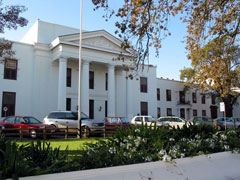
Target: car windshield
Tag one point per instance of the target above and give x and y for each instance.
(32, 120)
(83, 115)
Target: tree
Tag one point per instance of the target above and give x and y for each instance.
(146, 21)
(215, 69)
(212, 41)
(10, 18)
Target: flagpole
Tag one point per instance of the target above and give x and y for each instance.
(79, 75)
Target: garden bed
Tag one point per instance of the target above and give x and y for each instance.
(128, 146)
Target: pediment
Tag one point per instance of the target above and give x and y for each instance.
(100, 40)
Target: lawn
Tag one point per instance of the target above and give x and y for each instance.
(71, 144)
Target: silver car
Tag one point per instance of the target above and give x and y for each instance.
(228, 121)
(63, 119)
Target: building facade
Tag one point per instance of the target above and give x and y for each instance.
(42, 76)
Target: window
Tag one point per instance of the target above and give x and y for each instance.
(91, 80)
(194, 97)
(204, 113)
(69, 77)
(158, 112)
(182, 113)
(57, 115)
(106, 108)
(70, 115)
(91, 109)
(19, 120)
(213, 99)
(158, 94)
(106, 81)
(168, 95)
(169, 111)
(144, 108)
(68, 104)
(203, 99)
(194, 112)
(8, 100)
(182, 97)
(143, 84)
(10, 69)
(10, 120)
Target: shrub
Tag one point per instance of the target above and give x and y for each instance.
(12, 163)
(143, 144)
(44, 158)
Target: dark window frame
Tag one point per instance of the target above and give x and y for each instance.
(213, 98)
(144, 108)
(143, 85)
(195, 112)
(106, 81)
(11, 107)
(169, 111)
(68, 104)
(203, 99)
(10, 74)
(204, 113)
(158, 94)
(91, 79)
(69, 77)
(168, 95)
(106, 108)
(194, 97)
(91, 109)
(182, 99)
(158, 112)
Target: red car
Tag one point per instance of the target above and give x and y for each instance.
(116, 122)
(35, 126)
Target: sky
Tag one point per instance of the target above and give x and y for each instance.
(172, 57)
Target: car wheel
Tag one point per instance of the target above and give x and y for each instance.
(33, 134)
(86, 131)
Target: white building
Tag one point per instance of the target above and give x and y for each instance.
(43, 76)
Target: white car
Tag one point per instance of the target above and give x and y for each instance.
(149, 120)
(173, 121)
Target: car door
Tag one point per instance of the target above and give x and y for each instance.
(20, 122)
(59, 119)
(138, 120)
(70, 120)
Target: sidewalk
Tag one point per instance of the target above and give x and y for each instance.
(219, 166)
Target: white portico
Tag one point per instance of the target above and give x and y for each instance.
(99, 49)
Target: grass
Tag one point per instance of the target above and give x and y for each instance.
(71, 144)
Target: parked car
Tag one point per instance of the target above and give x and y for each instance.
(116, 122)
(199, 119)
(63, 119)
(149, 120)
(172, 121)
(1, 128)
(230, 122)
(34, 125)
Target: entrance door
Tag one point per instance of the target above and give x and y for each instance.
(8, 100)
(213, 112)
(182, 113)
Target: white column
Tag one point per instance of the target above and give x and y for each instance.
(85, 87)
(129, 98)
(62, 76)
(111, 90)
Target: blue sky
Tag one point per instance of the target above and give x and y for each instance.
(172, 56)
